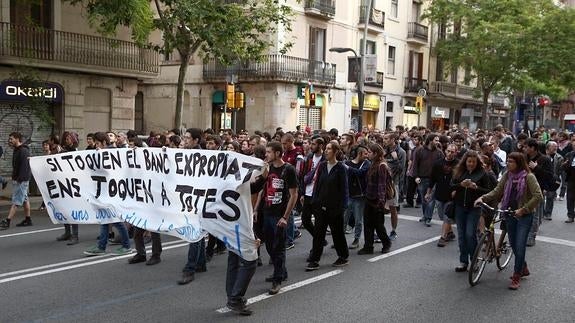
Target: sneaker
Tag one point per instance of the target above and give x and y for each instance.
(94, 251)
(428, 223)
(570, 220)
(311, 266)
(328, 231)
(376, 240)
(354, 244)
(450, 236)
(187, 278)
(73, 240)
(25, 223)
(442, 242)
(560, 198)
(386, 248)
(122, 251)
(153, 261)
(340, 262)
(365, 251)
(4, 224)
(290, 246)
(461, 268)
(422, 219)
(241, 309)
(348, 230)
(515, 281)
(392, 235)
(297, 235)
(275, 288)
(137, 259)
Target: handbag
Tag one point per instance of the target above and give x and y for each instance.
(450, 210)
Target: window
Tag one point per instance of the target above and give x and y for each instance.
(467, 77)
(316, 44)
(370, 47)
(394, 5)
(391, 60)
(389, 107)
(454, 75)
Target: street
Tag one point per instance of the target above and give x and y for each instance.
(46, 281)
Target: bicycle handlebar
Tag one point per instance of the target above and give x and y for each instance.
(484, 205)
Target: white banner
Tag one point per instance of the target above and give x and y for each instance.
(173, 191)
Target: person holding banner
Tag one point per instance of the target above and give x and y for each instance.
(280, 196)
(102, 141)
(69, 143)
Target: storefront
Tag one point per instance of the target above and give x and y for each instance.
(370, 110)
(410, 117)
(28, 109)
(439, 118)
(569, 122)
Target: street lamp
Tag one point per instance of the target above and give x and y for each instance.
(360, 82)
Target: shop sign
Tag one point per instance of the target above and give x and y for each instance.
(370, 102)
(18, 91)
(440, 113)
(409, 109)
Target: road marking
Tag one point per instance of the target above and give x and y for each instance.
(286, 289)
(69, 262)
(30, 232)
(404, 249)
(106, 259)
(563, 242)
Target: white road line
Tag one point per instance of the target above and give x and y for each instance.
(30, 232)
(404, 249)
(84, 259)
(107, 259)
(562, 242)
(286, 289)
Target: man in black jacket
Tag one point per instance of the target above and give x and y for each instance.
(568, 166)
(542, 168)
(21, 175)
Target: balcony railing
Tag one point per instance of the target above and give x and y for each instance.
(452, 89)
(325, 8)
(273, 68)
(377, 17)
(72, 51)
(417, 31)
(413, 85)
(378, 81)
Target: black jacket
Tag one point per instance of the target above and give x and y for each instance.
(21, 171)
(466, 196)
(441, 178)
(330, 188)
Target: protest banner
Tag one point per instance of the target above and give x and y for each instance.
(183, 193)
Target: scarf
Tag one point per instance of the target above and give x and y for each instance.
(513, 177)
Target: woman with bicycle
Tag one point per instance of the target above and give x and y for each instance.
(518, 190)
(469, 182)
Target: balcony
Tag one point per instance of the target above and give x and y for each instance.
(378, 81)
(376, 20)
(453, 90)
(276, 67)
(53, 49)
(417, 33)
(413, 85)
(320, 8)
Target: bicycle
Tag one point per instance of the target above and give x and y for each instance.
(486, 249)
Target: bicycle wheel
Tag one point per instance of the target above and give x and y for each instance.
(504, 251)
(480, 259)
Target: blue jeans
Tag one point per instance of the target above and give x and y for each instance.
(356, 207)
(426, 207)
(275, 238)
(103, 237)
(518, 231)
(238, 277)
(537, 218)
(196, 257)
(548, 198)
(467, 220)
(291, 228)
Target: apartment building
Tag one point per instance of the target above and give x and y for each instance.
(273, 89)
(87, 82)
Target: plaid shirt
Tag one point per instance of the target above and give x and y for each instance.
(376, 184)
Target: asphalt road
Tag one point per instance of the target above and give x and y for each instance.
(46, 281)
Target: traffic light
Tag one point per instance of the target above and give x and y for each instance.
(419, 104)
(312, 99)
(543, 101)
(230, 95)
(239, 100)
(307, 96)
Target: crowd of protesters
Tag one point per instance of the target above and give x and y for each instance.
(344, 184)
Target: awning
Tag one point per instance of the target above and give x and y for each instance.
(569, 117)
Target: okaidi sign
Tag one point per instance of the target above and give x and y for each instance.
(23, 92)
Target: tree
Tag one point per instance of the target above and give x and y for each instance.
(227, 30)
(488, 38)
